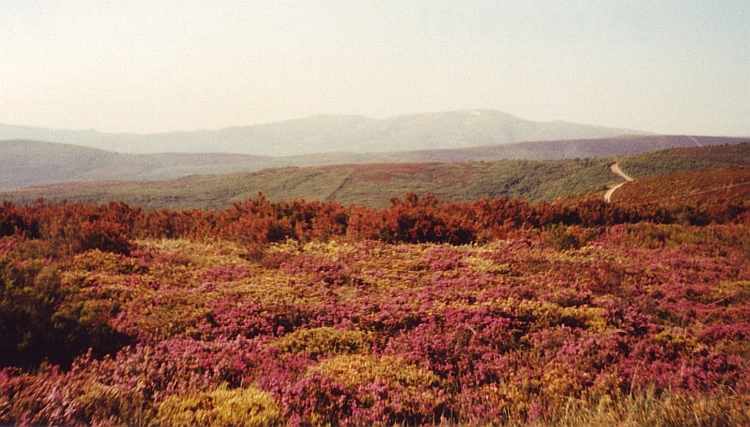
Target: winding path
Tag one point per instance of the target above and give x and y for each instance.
(615, 168)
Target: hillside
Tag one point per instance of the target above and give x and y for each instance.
(533, 150)
(316, 134)
(375, 184)
(33, 163)
(369, 184)
(686, 159)
(26, 163)
(703, 186)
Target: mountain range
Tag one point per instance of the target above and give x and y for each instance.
(36, 156)
(319, 134)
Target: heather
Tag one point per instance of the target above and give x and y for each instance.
(426, 313)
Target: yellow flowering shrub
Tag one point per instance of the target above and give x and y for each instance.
(221, 407)
(354, 389)
(325, 341)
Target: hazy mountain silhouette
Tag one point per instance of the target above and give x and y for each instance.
(317, 134)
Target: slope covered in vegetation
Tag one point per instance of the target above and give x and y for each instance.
(369, 184)
(481, 313)
(706, 186)
(34, 163)
(374, 184)
(687, 159)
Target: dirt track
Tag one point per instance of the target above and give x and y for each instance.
(615, 168)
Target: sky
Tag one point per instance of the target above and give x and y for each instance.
(673, 67)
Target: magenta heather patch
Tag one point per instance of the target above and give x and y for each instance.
(226, 273)
(359, 333)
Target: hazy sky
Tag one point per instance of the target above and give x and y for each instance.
(663, 66)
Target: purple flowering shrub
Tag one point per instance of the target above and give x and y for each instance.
(519, 330)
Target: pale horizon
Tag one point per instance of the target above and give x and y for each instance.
(673, 67)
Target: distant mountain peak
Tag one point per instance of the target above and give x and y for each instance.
(332, 133)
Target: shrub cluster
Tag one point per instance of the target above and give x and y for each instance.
(317, 314)
(72, 228)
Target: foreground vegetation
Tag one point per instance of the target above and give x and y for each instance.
(485, 313)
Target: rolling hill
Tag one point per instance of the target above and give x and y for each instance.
(316, 134)
(33, 163)
(536, 150)
(705, 186)
(686, 159)
(374, 184)
(367, 184)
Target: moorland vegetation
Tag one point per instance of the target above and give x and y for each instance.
(489, 312)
